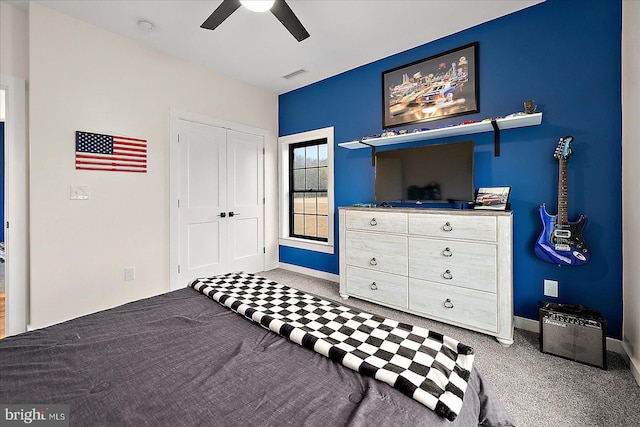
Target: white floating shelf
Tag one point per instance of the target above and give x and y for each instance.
(506, 123)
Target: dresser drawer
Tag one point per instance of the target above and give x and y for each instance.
(379, 252)
(454, 263)
(461, 306)
(388, 222)
(482, 228)
(389, 289)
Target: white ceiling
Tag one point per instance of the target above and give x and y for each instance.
(256, 47)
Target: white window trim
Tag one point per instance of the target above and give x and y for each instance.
(284, 143)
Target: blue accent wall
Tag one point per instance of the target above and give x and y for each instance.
(565, 55)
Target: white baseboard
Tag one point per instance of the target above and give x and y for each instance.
(534, 326)
(634, 364)
(310, 272)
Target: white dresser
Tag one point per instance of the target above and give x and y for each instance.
(454, 266)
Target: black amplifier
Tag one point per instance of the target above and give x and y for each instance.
(573, 332)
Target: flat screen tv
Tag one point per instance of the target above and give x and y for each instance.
(437, 173)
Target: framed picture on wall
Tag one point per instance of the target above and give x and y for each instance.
(496, 198)
(443, 85)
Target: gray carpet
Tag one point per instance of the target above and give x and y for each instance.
(538, 389)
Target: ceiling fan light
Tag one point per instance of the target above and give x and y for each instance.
(257, 5)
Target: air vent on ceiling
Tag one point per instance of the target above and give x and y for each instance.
(296, 73)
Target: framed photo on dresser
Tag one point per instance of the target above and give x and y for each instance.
(495, 198)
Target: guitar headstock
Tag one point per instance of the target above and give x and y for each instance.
(563, 150)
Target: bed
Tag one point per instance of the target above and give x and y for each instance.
(181, 359)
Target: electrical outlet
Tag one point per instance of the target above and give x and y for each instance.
(551, 288)
(129, 273)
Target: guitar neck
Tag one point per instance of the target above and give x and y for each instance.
(563, 215)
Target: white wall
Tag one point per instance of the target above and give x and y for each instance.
(631, 181)
(84, 78)
(13, 41)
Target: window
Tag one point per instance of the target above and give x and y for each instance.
(306, 190)
(308, 181)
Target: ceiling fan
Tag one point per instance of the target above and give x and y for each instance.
(279, 8)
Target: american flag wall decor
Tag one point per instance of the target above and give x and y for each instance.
(111, 153)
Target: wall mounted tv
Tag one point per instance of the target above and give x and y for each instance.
(437, 173)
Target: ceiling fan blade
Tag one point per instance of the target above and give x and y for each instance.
(220, 14)
(283, 12)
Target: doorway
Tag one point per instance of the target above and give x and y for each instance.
(16, 194)
(217, 193)
(3, 298)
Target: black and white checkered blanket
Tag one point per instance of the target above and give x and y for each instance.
(429, 367)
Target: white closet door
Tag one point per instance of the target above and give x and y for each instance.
(245, 187)
(203, 201)
(221, 193)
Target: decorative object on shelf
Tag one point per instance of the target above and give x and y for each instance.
(489, 119)
(110, 153)
(561, 241)
(443, 85)
(530, 107)
(495, 198)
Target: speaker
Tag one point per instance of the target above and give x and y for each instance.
(573, 332)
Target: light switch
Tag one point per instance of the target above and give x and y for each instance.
(79, 192)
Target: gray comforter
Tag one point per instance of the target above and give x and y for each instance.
(180, 359)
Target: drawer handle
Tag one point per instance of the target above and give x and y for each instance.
(447, 227)
(373, 261)
(448, 303)
(373, 286)
(373, 222)
(447, 252)
(447, 275)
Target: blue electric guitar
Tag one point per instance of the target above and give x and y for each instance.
(561, 240)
